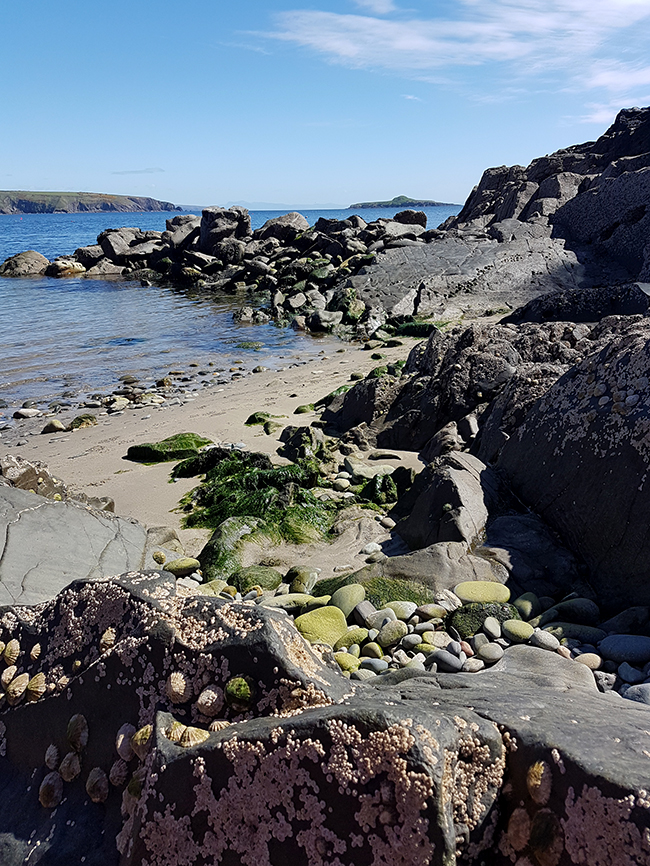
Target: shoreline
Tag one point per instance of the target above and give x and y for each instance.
(91, 460)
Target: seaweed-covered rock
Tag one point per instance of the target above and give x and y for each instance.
(255, 575)
(180, 446)
(469, 618)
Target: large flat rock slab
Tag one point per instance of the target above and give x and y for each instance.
(44, 545)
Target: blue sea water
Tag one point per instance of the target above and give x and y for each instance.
(80, 335)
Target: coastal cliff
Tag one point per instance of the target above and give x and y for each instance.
(19, 201)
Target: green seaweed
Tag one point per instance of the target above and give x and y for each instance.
(177, 447)
(469, 618)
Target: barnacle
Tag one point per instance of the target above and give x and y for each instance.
(123, 742)
(107, 640)
(70, 767)
(50, 793)
(35, 652)
(219, 725)
(97, 785)
(78, 732)
(7, 675)
(178, 689)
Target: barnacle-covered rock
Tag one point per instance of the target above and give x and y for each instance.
(50, 792)
(97, 785)
(136, 781)
(210, 701)
(240, 693)
(141, 741)
(11, 652)
(15, 691)
(78, 732)
(119, 773)
(70, 767)
(52, 757)
(123, 741)
(36, 687)
(193, 737)
(178, 689)
(107, 640)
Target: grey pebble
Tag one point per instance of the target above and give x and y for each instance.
(492, 627)
(421, 627)
(630, 675)
(640, 693)
(376, 665)
(544, 640)
(473, 665)
(446, 662)
(490, 653)
(411, 641)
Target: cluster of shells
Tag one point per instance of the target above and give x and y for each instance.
(14, 685)
(68, 768)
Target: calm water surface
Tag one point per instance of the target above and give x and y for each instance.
(80, 335)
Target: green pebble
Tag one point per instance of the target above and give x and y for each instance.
(355, 650)
(517, 630)
(183, 566)
(425, 648)
(347, 662)
(431, 611)
(402, 609)
(354, 636)
(213, 587)
(583, 633)
(483, 591)
(292, 602)
(348, 597)
(304, 409)
(324, 625)
(372, 650)
(391, 633)
(255, 575)
(321, 601)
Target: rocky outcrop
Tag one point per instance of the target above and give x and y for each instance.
(27, 264)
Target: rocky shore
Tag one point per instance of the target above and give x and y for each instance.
(416, 628)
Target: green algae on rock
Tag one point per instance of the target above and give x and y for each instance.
(180, 446)
(324, 625)
(256, 575)
(469, 618)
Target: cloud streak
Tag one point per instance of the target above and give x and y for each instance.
(141, 171)
(579, 41)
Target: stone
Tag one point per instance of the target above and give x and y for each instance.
(446, 661)
(473, 665)
(325, 625)
(346, 661)
(490, 653)
(291, 602)
(582, 633)
(372, 650)
(591, 660)
(630, 675)
(374, 664)
(544, 640)
(391, 633)
(639, 693)
(27, 264)
(54, 426)
(403, 610)
(410, 641)
(528, 605)
(632, 648)
(438, 639)
(256, 575)
(354, 635)
(517, 631)
(301, 579)
(183, 566)
(348, 597)
(177, 447)
(469, 619)
(376, 619)
(362, 674)
(482, 591)
(431, 611)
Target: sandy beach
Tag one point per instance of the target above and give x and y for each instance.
(92, 459)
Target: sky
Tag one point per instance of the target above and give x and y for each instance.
(306, 102)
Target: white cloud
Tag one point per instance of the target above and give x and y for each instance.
(565, 37)
(410, 96)
(379, 7)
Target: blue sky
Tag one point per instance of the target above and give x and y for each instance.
(306, 101)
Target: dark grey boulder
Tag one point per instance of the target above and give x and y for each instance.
(285, 228)
(583, 305)
(588, 435)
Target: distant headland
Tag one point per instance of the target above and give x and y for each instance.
(18, 201)
(403, 201)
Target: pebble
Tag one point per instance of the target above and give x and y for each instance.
(564, 652)
(423, 627)
(387, 522)
(362, 673)
(478, 641)
(431, 611)
(403, 609)
(446, 661)
(376, 665)
(482, 591)
(490, 653)
(473, 665)
(544, 640)
(363, 610)
(466, 648)
(438, 639)
(631, 648)
(391, 633)
(411, 641)
(630, 675)
(593, 662)
(454, 647)
(346, 598)
(372, 650)
(640, 693)
(492, 627)
(517, 631)
(371, 547)
(377, 618)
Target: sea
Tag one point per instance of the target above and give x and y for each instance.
(77, 336)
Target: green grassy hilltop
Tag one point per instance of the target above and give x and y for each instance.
(19, 201)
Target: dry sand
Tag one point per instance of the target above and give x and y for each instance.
(92, 459)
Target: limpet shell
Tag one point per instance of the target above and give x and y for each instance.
(52, 757)
(97, 785)
(210, 701)
(158, 556)
(539, 781)
(70, 767)
(123, 742)
(175, 731)
(78, 732)
(219, 725)
(35, 652)
(36, 687)
(119, 773)
(141, 741)
(16, 689)
(7, 675)
(178, 689)
(2, 647)
(11, 652)
(50, 793)
(107, 640)
(193, 737)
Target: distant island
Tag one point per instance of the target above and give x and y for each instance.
(403, 201)
(18, 201)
